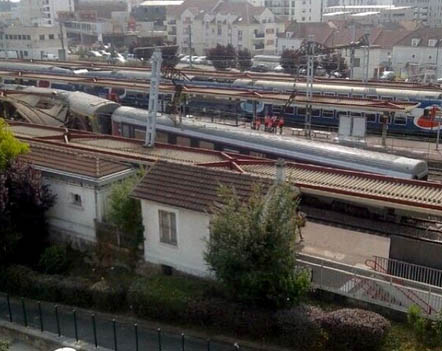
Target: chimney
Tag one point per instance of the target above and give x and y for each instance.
(280, 171)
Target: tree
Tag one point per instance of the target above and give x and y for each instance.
(125, 211)
(10, 147)
(170, 56)
(244, 59)
(290, 61)
(222, 57)
(23, 204)
(251, 248)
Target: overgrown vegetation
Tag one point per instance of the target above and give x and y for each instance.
(23, 203)
(428, 332)
(223, 57)
(251, 249)
(4, 345)
(125, 211)
(54, 260)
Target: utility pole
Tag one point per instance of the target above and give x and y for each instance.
(190, 45)
(62, 57)
(309, 93)
(153, 98)
(352, 52)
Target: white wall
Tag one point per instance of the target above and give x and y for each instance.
(192, 228)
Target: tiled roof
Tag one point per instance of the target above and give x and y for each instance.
(191, 187)
(320, 32)
(424, 34)
(71, 161)
(200, 5)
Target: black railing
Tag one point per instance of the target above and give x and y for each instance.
(99, 330)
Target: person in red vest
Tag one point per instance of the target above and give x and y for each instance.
(281, 124)
(258, 123)
(266, 123)
(274, 124)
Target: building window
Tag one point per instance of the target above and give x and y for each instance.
(51, 37)
(76, 199)
(167, 222)
(42, 37)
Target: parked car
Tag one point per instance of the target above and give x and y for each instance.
(94, 53)
(279, 68)
(387, 75)
(259, 68)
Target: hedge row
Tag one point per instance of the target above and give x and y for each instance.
(192, 302)
(76, 291)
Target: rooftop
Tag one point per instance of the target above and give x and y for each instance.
(190, 187)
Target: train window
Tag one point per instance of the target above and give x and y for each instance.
(355, 114)
(257, 154)
(372, 97)
(358, 96)
(226, 149)
(341, 113)
(400, 120)
(277, 109)
(140, 134)
(161, 137)
(328, 113)
(183, 141)
(300, 111)
(343, 95)
(43, 84)
(316, 113)
(370, 117)
(126, 131)
(206, 145)
(329, 94)
(387, 98)
(290, 110)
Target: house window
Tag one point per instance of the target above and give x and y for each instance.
(167, 222)
(51, 36)
(76, 199)
(415, 42)
(432, 42)
(42, 37)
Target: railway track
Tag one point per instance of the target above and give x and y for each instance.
(412, 226)
(435, 174)
(231, 75)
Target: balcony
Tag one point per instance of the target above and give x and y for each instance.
(259, 35)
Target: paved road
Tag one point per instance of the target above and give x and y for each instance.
(149, 339)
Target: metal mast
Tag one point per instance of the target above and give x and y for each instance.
(153, 98)
(309, 93)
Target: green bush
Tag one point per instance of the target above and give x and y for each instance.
(54, 260)
(108, 297)
(300, 328)
(355, 330)
(427, 332)
(4, 345)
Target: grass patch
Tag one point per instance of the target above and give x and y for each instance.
(401, 338)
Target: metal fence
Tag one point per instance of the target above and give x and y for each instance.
(408, 270)
(373, 287)
(99, 330)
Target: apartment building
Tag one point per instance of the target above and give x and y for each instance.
(201, 25)
(43, 12)
(297, 10)
(30, 42)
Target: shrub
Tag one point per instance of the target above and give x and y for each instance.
(54, 260)
(355, 329)
(4, 345)
(107, 297)
(163, 297)
(300, 327)
(426, 331)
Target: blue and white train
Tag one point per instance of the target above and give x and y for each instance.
(416, 122)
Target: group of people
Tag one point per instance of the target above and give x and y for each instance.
(271, 123)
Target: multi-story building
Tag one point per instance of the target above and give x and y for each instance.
(43, 12)
(421, 8)
(201, 25)
(30, 42)
(297, 10)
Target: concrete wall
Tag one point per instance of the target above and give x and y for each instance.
(192, 228)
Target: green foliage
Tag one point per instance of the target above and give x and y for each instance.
(291, 60)
(163, 297)
(244, 59)
(251, 248)
(125, 211)
(10, 147)
(222, 57)
(24, 201)
(4, 345)
(54, 260)
(300, 328)
(355, 330)
(108, 297)
(427, 332)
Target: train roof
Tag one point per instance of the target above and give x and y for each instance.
(402, 93)
(32, 67)
(309, 150)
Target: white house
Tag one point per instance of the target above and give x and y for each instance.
(201, 25)
(81, 182)
(176, 200)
